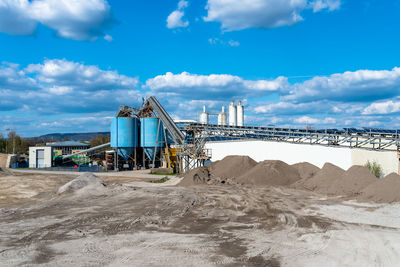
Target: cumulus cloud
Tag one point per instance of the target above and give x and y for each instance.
(175, 19)
(77, 20)
(59, 85)
(386, 107)
(15, 17)
(61, 72)
(361, 85)
(298, 108)
(11, 77)
(217, 86)
(243, 14)
(319, 5)
(309, 120)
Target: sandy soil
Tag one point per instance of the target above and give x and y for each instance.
(136, 223)
(3, 161)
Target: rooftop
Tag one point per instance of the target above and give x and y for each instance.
(68, 143)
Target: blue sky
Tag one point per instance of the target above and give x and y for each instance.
(67, 65)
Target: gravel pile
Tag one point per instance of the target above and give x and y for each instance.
(84, 182)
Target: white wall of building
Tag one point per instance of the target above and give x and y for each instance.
(48, 157)
(295, 153)
(387, 159)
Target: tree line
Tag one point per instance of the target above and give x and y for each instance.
(14, 144)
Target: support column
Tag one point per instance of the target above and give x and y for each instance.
(135, 155)
(144, 160)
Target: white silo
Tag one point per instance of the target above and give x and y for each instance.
(240, 114)
(203, 116)
(232, 114)
(222, 117)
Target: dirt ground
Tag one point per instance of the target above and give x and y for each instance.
(136, 223)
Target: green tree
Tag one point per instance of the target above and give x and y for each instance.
(3, 143)
(375, 168)
(99, 140)
(16, 144)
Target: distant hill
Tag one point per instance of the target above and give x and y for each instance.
(69, 136)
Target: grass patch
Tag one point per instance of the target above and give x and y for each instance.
(162, 180)
(159, 173)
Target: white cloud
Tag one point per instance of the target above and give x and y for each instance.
(286, 108)
(374, 123)
(216, 86)
(78, 20)
(64, 86)
(243, 14)
(175, 19)
(319, 5)
(386, 107)
(15, 18)
(233, 43)
(306, 120)
(309, 120)
(11, 77)
(61, 72)
(60, 90)
(361, 85)
(215, 41)
(108, 38)
(183, 4)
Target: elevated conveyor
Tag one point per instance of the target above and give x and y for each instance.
(85, 151)
(167, 121)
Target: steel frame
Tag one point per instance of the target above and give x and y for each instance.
(352, 139)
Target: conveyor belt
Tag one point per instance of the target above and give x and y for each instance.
(167, 121)
(85, 151)
(367, 138)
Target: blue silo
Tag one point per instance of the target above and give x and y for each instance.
(124, 135)
(148, 135)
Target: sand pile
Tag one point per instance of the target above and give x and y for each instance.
(243, 170)
(85, 183)
(199, 175)
(385, 190)
(306, 170)
(358, 181)
(352, 181)
(323, 179)
(270, 172)
(3, 161)
(224, 171)
(231, 167)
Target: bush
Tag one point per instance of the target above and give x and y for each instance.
(374, 168)
(162, 180)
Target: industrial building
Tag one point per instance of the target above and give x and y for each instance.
(195, 143)
(67, 147)
(40, 157)
(147, 137)
(45, 156)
